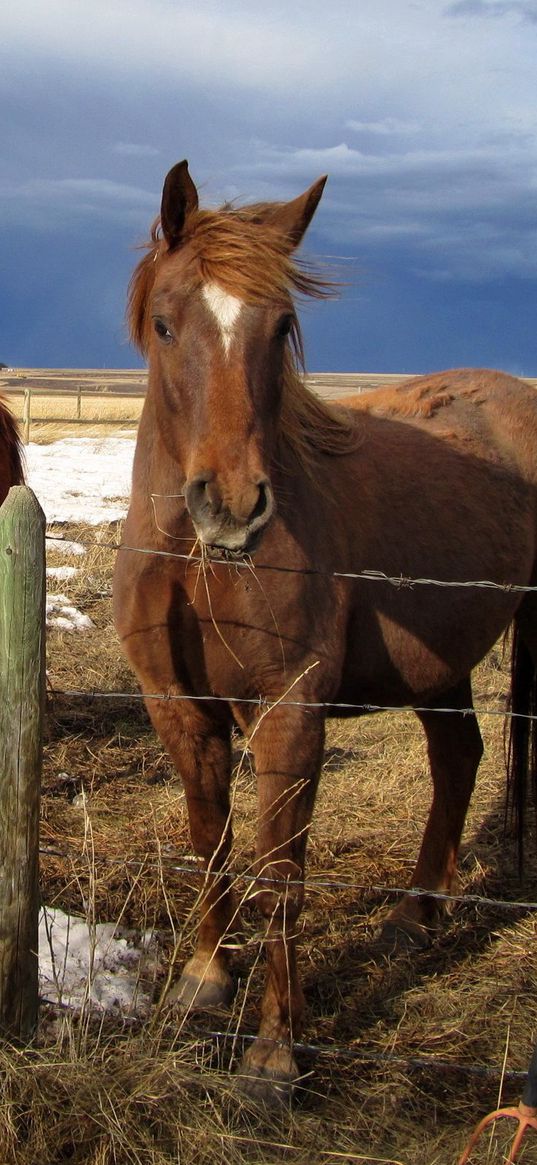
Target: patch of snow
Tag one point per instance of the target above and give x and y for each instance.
(85, 480)
(82, 479)
(63, 615)
(62, 572)
(81, 965)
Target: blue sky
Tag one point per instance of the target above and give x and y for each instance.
(422, 112)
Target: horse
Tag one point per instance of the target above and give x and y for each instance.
(11, 456)
(271, 523)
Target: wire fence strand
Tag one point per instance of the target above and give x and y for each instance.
(400, 582)
(191, 866)
(267, 705)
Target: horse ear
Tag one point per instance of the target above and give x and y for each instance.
(293, 218)
(179, 199)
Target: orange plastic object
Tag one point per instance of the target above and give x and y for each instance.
(524, 1114)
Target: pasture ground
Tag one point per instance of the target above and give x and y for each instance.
(397, 1077)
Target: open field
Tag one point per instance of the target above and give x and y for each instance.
(73, 402)
(408, 1053)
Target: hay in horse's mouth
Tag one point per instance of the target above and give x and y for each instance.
(222, 553)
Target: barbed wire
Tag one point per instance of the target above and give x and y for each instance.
(195, 869)
(344, 1051)
(266, 705)
(341, 1051)
(189, 865)
(398, 581)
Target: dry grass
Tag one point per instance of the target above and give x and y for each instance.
(64, 403)
(160, 1093)
(55, 416)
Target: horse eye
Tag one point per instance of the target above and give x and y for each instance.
(162, 331)
(285, 325)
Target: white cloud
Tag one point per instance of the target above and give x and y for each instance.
(206, 42)
(90, 190)
(420, 111)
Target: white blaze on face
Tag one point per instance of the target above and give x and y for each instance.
(225, 308)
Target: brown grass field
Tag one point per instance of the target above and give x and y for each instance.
(76, 402)
(403, 1055)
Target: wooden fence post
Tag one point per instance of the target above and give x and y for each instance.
(22, 689)
(27, 416)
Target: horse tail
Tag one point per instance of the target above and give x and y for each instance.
(522, 736)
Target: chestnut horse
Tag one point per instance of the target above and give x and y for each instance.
(254, 499)
(11, 461)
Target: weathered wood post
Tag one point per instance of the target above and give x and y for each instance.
(27, 415)
(22, 689)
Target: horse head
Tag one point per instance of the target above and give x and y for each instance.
(212, 306)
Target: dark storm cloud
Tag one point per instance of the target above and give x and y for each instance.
(421, 113)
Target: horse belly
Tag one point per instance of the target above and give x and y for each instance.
(420, 646)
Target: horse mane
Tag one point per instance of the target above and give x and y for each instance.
(10, 439)
(238, 248)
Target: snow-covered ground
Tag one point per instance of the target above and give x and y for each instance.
(84, 480)
(78, 479)
(93, 966)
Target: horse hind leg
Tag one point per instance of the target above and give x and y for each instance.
(522, 750)
(455, 749)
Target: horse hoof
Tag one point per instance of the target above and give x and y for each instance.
(192, 993)
(267, 1077)
(265, 1088)
(401, 937)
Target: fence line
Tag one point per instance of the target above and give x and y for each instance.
(329, 385)
(79, 393)
(400, 582)
(266, 705)
(194, 869)
(344, 1051)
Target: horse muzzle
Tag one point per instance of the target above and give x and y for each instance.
(229, 523)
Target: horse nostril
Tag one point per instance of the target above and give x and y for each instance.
(202, 495)
(250, 509)
(264, 504)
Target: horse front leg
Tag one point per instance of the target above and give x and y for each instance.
(199, 746)
(288, 748)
